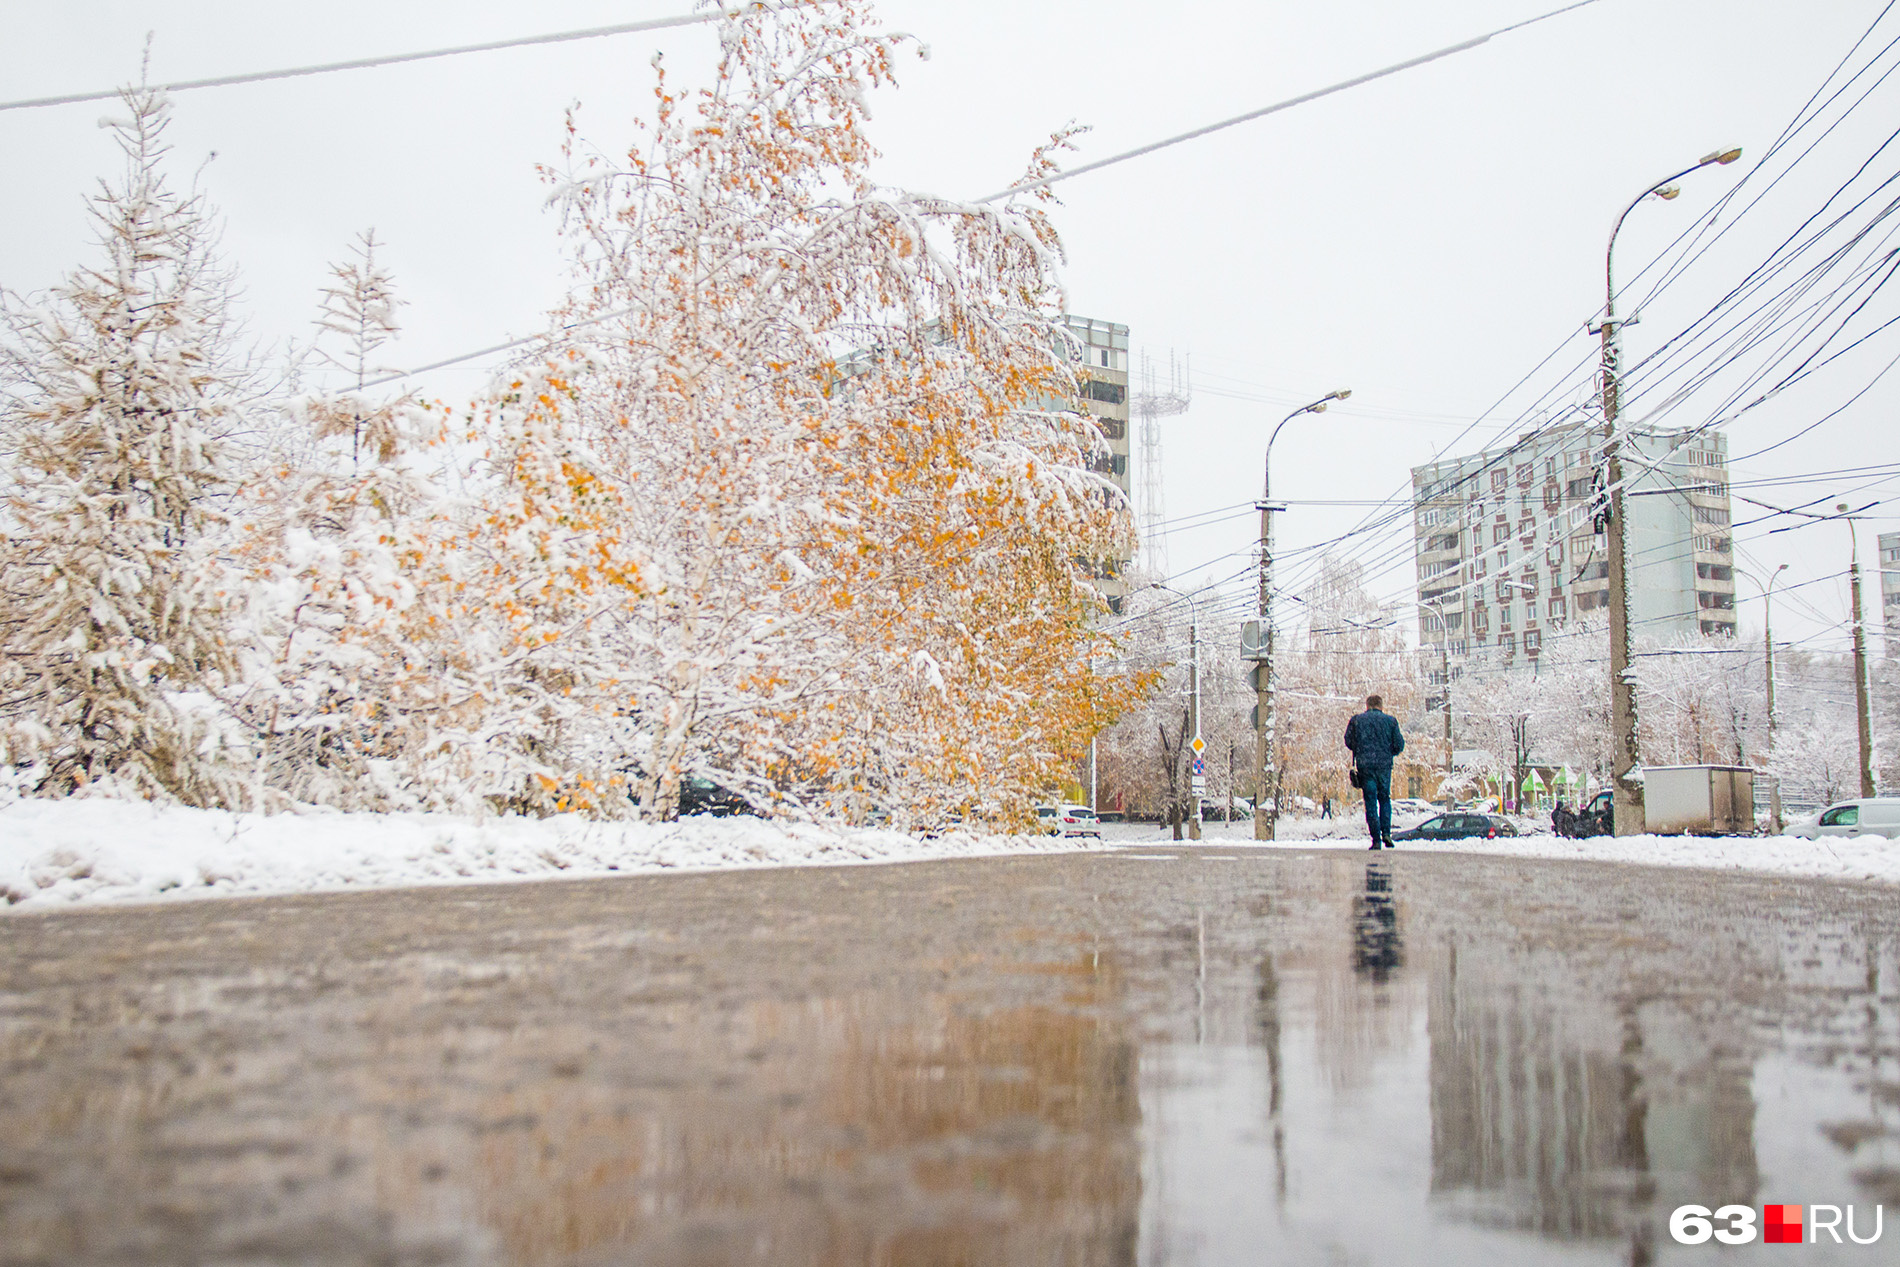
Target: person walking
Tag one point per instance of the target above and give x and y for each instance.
(1375, 738)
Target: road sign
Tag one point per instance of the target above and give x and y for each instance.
(1253, 640)
(1198, 745)
(1200, 767)
(1199, 785)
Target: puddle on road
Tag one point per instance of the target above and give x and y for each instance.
(1061, 1060)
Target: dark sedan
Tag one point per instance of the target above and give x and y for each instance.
(1460, 826)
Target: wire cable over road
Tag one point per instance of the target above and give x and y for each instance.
(1030, 186)
(364, 63)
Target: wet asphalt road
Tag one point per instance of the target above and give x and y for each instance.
(1222, 1055)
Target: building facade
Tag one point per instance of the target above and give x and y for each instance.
(1101, 349)
(1890, 590)
(1508, 547)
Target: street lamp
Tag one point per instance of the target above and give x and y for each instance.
(1862, 712)
(1625, 759)
(1266, 784)
(1194, 701)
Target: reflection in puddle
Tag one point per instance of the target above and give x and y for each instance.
(1063, 1060)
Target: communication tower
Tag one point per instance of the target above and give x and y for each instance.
(1149, 405)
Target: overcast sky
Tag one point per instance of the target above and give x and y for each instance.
(1426, 241)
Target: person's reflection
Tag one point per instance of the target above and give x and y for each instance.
(1377, 949)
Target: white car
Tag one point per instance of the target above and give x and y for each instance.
(1068, 820)
(1873, 816)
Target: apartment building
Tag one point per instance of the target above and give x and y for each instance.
(1890, 590)
(1508, 548)
(1101, 349)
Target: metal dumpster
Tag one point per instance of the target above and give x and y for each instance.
(1699, 800)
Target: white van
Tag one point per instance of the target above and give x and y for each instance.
(1875, 816)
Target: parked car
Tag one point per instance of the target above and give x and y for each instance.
(1068, 820)
(703, 796)
(1410, 805)
(1216, 811)
(1459, 826)
(1871, 816)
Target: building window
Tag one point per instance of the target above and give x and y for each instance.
(1504, 617)
(1507, 643)
(1459, 647)
(1444, 541)
(1715, 602)
(1711, 515)
(1500, 533)
(1107, 393)
(1714, 572)
(1556, 607)
(1529, 583)
(1113, 428)
(1533, 641)
(1718, 627)
(1498, 479)
(1525, 473)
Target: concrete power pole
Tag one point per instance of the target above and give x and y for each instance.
(1625, 759)
(1197, 780)
(1863, 710)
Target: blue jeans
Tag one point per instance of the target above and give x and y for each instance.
(1378, 790)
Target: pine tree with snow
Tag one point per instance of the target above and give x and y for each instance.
(121, 391)
(347, 692)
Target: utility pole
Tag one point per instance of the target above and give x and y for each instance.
(1863, 711)
(1266, 797)
(1197, 781)
(1774, 719)
(1625, 758)
(1444, 670)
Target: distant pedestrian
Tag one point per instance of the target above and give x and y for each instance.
(1375, 739)
(1326, 807)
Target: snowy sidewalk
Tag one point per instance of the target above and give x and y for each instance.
(58, 853)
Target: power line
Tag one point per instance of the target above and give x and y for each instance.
(1030, 186)
(364, 63)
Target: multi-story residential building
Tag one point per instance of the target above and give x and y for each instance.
(1508, 549)
(1102, 349)
(1890, 590)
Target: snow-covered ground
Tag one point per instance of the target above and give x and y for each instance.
(1867, 858)
(56, 853)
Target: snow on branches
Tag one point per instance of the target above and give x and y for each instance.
(800, 500)
(842, 419)
(120, 402)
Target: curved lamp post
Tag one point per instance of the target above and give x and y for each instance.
(1625, 758)
(1266, 784)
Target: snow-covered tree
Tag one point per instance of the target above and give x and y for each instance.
(120, 394)
(346, 690)
(841, 423)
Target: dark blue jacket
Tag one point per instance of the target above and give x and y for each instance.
(1374, 739)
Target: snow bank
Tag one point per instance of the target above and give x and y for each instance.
(55, 853)
(1863, 858)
